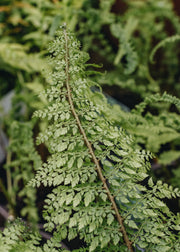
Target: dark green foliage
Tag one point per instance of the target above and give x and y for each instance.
(163, 43)
(142, 25)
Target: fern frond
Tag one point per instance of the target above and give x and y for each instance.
(24, 160)
(157, 98)
(164, 128)
(125, 46)
(14, 56)
(163, 43)
(94, 167)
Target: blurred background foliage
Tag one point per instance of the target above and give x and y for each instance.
(120, 35)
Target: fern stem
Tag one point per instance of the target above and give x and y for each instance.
(88, 144)
(10, 192)
(137, 234)
(8, 173)
(6, 194)
(137, 203)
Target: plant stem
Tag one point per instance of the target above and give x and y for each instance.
(3, 189)
(88, 144)
(10, 197)
(8, 173)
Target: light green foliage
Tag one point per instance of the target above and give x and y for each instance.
(78, 134)
(157, 98)
(125, 48)
(153, 130)
(23, 160)
(14, 57)
(19, 237)
(26, 27)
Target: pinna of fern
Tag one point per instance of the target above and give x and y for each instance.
(95, 169)
(18, 236)
(164, 127)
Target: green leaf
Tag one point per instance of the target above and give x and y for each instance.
(110, 219)
(150, 182)
(158, 202)
(87, 198)
(79, 162)
(94, 244)
(107, 143)
(116, 239)
(124, 199)
(132, 224)
(62, 218)
(61, 147)
(68, 179)
(105, 240)
(92, 227)
(72, 234)
(168, 156)
(81, 223)
(130, 171)
(103, 196)
(142, 244)
(70, 162)
(150, 212)
(73, 222)
(77, 199)
(69, 198)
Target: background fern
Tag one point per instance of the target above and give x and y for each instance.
(119, 34)
(19, 236)
(22, 160)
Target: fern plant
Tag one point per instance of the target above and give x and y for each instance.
(141, 26)
(96, 169)
(22, 160)
(164, 127)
